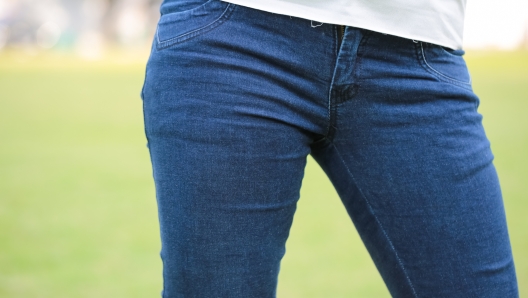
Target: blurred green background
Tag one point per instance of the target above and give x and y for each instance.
(77, 204)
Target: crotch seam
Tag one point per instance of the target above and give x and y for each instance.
(371, 210)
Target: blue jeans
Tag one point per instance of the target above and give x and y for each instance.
(236, 98)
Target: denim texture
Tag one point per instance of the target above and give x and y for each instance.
(236, 98)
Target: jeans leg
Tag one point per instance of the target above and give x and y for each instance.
(227, 186)
(413, 167)
(229, 122)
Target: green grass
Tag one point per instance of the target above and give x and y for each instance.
(77, 208)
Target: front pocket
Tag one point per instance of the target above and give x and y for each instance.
(180, 26)
(446, 65)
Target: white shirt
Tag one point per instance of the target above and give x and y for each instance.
(436, 21)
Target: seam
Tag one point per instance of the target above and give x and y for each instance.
(435, 72)
(358, 65)
(196, 32)
(377, 221)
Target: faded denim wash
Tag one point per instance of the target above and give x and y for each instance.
(236, 98)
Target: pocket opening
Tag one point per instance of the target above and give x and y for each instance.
(177, 27)
(446, 65)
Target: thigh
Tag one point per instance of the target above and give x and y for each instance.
(227, 182)
(228, 136)
(414, 168)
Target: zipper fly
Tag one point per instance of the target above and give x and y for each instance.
(340, 34)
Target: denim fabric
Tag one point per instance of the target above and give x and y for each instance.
(234, 101)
